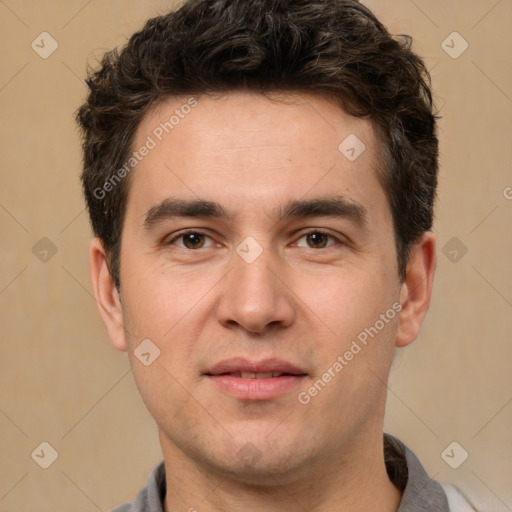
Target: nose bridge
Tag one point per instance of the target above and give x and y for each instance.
(254, 297)
(253, 271)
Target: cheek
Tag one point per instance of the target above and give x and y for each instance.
(156, 300)
(163, 393)
(345, 301)
(159, 310)
(355, 330)
(353, 371)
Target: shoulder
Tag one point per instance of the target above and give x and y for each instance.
(456, 499)
(462, 498)
(420, 493)
(150, 497)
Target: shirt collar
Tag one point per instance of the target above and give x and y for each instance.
(420, 492)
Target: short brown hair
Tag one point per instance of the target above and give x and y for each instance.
(332, 48)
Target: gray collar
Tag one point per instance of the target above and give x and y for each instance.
(420, 492)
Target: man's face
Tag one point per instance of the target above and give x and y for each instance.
(265, 288)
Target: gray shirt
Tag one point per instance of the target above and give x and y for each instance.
(420, 493)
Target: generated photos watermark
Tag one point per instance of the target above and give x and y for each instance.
(355, 348)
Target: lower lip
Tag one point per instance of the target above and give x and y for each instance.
(256, 389)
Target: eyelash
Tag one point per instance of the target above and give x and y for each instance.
(196, 232)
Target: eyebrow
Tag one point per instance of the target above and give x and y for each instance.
(336, 207)
(174, 207)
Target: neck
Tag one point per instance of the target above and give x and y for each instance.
(356, 481)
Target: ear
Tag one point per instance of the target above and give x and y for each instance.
(416, 289)
(106, 294)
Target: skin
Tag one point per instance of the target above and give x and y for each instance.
(303, 300)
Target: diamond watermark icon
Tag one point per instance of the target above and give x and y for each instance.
(249, 454)
(44, 250)
(45, 455)
(146, 352)
(454, 45)
(249, 249)
(454, 455)
(44, 45)
(454, 249)
(351, 147)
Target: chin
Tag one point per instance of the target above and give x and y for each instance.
(257, 461)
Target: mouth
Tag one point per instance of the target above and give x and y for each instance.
(252, 380)
(253, 375)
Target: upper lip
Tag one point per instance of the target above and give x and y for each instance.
(240, 364)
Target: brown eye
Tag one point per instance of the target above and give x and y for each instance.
(193, 240)
(317, 240)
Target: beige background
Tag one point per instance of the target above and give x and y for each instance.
(61, 381)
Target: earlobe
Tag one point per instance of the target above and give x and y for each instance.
(416, 289)
(106, 294)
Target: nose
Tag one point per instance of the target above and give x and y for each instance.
(255, 295)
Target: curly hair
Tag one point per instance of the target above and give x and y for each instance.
(336, 49)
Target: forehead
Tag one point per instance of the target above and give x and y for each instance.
(247, 150)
